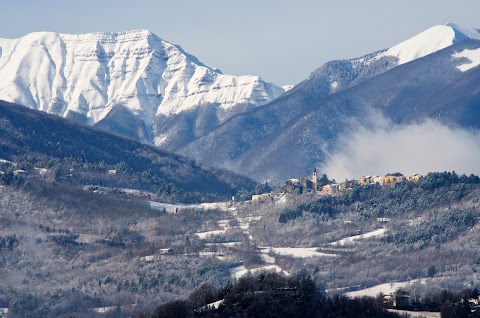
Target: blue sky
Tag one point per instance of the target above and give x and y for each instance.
(282, 41)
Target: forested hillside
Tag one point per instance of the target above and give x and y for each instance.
(35, 139)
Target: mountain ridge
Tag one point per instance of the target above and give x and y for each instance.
(86, 76)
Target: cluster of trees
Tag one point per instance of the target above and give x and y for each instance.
(8, 242)
(451, 304)
(441, 227)
(270, 295)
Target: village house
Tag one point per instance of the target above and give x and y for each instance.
(400, 179)
(330, 189)
(366, 180)
(165, 251)
(293, 185)
(303, 185)
(389, 180)
(256, 198)
(306, 185)
(261, 197)
(399, 299)
(377, 179)
(347, 184)
(414, 178)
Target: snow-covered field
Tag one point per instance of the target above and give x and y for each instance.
(204, 235)
(350, 239)
(224, 244)
(88, 238)
(299, 252)
(386, 288)
(174, 208)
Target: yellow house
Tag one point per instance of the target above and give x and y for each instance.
(389, 180)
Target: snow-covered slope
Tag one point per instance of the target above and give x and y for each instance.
(86, 76)
(430, 41)
(341, 74)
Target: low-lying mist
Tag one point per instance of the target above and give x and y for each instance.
(415, 148)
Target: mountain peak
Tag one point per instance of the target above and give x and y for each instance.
(108, 37)
(431, 40)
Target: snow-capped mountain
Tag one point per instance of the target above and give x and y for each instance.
(338, 75)
(133, 83)
(274, 142)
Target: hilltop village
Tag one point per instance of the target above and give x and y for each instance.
(323, 186)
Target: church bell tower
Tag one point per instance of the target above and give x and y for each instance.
(314, 180)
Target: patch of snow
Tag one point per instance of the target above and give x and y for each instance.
(472, 55)
(286, 88)
(88, 238)
(350, 239)
(385, 289)
(174, 208)
(204, 235)
(415, 314)
(239, 271)
(427, 42)
(226, 244)
(267, 258)
(250, 219)
(224, 224)
(3, 311)
(103, 310)
(213, 305)
(299, 252)
(430, 41)
(148, 258)
(383, 220)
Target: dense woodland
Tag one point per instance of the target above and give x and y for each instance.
(270, 295)
(274, 295)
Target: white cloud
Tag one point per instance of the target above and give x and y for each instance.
(417, 148)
